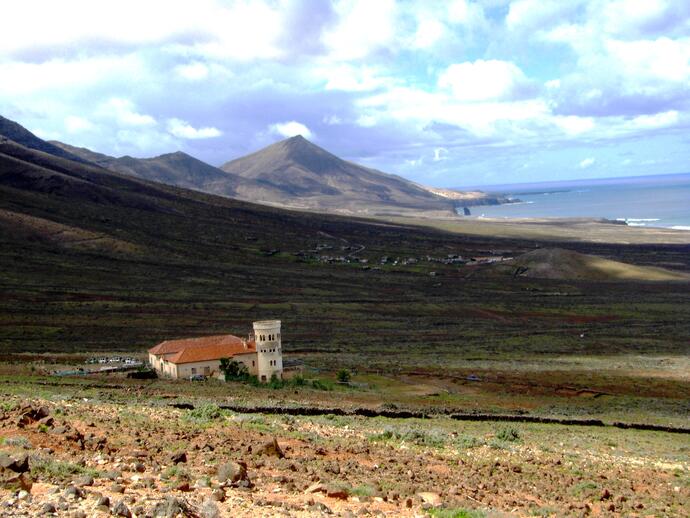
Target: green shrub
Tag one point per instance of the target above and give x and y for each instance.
(343, 376)
(57, 471)
(204, 414)
(508, 434)
(412, 435)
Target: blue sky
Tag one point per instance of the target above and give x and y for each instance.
(445, 93)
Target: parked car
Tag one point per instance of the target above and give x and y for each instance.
(197, 377)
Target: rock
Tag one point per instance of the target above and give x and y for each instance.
(319, 507)
(74, 492)
(430, 498)
(169, 508)
(218, 495)
(84, 480)
(334, 491)
(48, 508)
(209, 509)
(316, 487)
(15, 481)
(178, 458)
(47, 422)
(271, 448)
(103, 501)
(117, 488)
(17, 464)
(605, 495)
(121, 509)
(183, 486)
(23, 495)
(232, 472)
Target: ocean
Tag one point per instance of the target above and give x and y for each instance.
(646, 201)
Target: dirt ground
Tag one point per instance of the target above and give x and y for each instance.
(90, 457)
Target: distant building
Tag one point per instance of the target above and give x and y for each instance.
(261, 352)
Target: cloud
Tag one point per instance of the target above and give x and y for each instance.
(183, 129)
(363, 27)
(484, 80)
(75, 124)
(587, 162)
(291, 129)
(194, 71)
(124, 112)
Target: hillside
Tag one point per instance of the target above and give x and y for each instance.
(556, 263)
(306, 176)
(91, 259)
(178, 169)
(21, 135)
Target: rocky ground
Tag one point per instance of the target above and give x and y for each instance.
(67, 456)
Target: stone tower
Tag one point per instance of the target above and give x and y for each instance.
(269, 353)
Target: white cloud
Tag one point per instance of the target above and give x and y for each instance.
(658, 120)
(194, 71)
(429, 32)
(351, 78)
(363, 27)
(574, 125)
(24, 78)
(183, 129)
(75, 124)
(587, 162)
(291, 129)
(466, 13)
(483, 80)
(537, 14)
(124, 112)
(332, 120)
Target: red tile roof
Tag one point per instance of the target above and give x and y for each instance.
(204, 348)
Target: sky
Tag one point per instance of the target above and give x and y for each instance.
(445, 93)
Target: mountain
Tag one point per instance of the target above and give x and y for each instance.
(303, 175)
(21, 135)
(179, 169)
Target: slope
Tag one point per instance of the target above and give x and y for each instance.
(556, 263)
(21, 135)
(91, 259)
(179, 169)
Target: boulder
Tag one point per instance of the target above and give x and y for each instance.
(271, 448)
(178, 458)
(17, 464)
(121, 509)
(232, 472)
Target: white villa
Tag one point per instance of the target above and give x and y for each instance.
(261, 353)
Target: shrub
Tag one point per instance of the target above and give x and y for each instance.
(508, 434)
(343, 376)
(204, 413)
(56, 471)
(411, 435)
(234, 370)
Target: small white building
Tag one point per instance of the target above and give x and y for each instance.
(261, 353)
